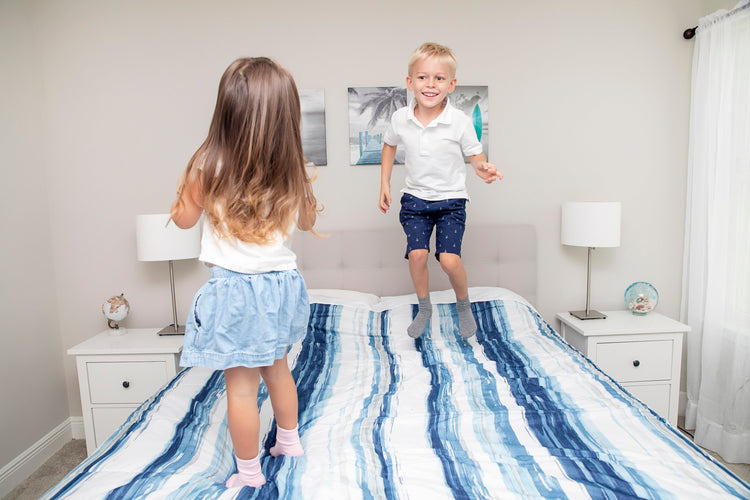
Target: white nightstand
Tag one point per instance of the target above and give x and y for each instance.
(642, 353)
(116, 373)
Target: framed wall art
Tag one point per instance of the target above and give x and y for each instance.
(313, 126)
(370, 109)
(473, 100)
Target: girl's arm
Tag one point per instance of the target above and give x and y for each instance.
(188, 207)
(307, 216)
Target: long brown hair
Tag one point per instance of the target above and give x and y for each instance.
(254, 179)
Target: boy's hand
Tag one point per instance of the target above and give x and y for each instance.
(488, 172)
(385, 199)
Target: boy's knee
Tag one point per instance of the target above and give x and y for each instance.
(419, 256)
(450, 262)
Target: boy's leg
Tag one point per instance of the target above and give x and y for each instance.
(418, 224)
(244, 423)
(421, 278)
(283, 394)
(448, 239)
(454, 268)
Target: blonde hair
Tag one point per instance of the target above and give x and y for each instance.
(441, 52)
(254, 180)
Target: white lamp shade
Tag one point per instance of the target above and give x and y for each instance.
(591, 224)
(156, 240)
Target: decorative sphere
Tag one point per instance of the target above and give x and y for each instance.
(641, 297)
(116, 308)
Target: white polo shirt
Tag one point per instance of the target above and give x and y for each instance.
(435, 168)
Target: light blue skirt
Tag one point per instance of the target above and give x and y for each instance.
(245, 319)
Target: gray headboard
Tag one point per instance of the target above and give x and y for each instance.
(372, 260)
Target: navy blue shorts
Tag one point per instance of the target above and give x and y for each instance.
(419, 216)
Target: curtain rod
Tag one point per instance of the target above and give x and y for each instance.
(690, 32)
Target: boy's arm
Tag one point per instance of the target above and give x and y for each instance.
(487, 171)
(188, 207)
(386, 167)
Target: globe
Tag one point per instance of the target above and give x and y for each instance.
(115, 309)
(641, 297)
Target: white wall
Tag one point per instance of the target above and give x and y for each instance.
(32, 386)
(588, 101)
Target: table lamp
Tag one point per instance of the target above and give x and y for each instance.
(158, 240)
(592, 225)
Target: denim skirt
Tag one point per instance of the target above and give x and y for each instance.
(245, 319)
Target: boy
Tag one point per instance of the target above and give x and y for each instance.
(434, 135)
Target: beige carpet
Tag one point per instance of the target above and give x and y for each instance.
(51, 472)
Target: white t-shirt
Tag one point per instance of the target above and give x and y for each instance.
(244, 257)
(434, 154)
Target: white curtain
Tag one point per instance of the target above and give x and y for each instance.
(716, 273)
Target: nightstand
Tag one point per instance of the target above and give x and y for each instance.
(642, 353)
(116, 373)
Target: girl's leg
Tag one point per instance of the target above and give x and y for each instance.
(282, 391)
(244, 424)
(242, 410)
(283, 394)
(454, 268)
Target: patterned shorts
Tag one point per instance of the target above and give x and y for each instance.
(418, 217)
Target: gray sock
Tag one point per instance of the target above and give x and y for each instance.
(466, 324)
(419, 324)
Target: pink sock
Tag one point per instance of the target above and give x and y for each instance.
(287, 443)
(249, 473)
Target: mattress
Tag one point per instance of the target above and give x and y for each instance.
(513, 412)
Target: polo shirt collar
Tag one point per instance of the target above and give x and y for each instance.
(444, 117)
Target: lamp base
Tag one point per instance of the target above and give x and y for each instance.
(591, 314)
(171, 330)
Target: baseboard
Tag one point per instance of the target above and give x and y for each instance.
(76, 426)
(15, 472)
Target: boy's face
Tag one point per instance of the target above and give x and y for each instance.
(431, 80)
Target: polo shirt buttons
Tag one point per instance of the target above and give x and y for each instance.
(424, 143)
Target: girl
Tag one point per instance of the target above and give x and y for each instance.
(248, 179)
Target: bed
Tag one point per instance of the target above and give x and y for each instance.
(513, 412)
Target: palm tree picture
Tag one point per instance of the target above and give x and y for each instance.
(370, 110)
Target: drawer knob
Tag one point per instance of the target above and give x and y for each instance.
(126, 384)
(636, 363)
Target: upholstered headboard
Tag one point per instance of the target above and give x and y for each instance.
(372, 260)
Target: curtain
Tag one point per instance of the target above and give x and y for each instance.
(716, 270)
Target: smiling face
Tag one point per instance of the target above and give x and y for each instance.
(431, 80)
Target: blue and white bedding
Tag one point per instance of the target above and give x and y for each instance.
(513, 412)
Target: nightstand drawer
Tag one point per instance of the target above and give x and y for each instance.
(636, 361)
(108, 419)
(655, 396)
(125, 382)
